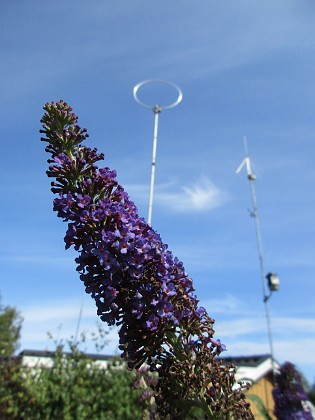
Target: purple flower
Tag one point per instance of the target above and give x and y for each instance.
(62, 159)
(104, 257)
(98, 215)
(135, 272)
(123, 246)
(166, 309)
(289, 395)
(70, 235)
(111, 293)
(63, 205)
(138, 310)
(84, 216)
(136, 260)
(200, 312)
(142, 247)
(152, 323)
(134, 279)
(216, 344)
(124, 233)
(169, 289)
(83, 201)
(154, 302)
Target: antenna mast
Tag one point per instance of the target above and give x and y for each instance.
(254, 213)
(157, 109)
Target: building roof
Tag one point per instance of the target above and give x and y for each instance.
(252, 368)
(45, 358)
(250, 361)
(249, 368)
(50, 354)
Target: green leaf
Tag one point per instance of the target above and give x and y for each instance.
(259, 405)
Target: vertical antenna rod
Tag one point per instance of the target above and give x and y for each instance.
(79, 320)
(157, 109)
(254, 213)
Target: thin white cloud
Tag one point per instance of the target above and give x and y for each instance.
(208, 254)
(65, 332)
(199, 196)
(246, 347)
(240, 327)
(60, 319)
(298, 351)
(256, 31)
(245, 319)
(296, 325)
(229, 304)
(303, 257)
(257, 325)
(56, 312)
(40, 259)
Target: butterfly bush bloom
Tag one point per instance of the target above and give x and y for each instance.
(289, 395)
(133, 277)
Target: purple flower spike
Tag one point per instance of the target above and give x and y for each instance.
(135, 281)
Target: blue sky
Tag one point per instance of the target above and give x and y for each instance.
(245, 68)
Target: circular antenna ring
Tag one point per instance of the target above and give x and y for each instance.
(161, 107)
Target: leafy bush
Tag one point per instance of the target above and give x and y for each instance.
(76, 387)
(73, 387)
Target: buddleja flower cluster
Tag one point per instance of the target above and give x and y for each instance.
(134, 279)
(289, 395)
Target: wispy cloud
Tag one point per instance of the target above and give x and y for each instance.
(202, 195)
(297, 351)
(237, 318)
(199, 196)
(42, 339)
(296, 325)
(228, 304)
(60, 319)
(259, 31)
(241, 327)
(57, 311)
(256, 325)
(39, 259)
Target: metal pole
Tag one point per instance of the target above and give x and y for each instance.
(79, 320)
(157, 109)
(254, 214)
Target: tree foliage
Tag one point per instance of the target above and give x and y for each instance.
(10, 329)
(73, 386)
(13, 393)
